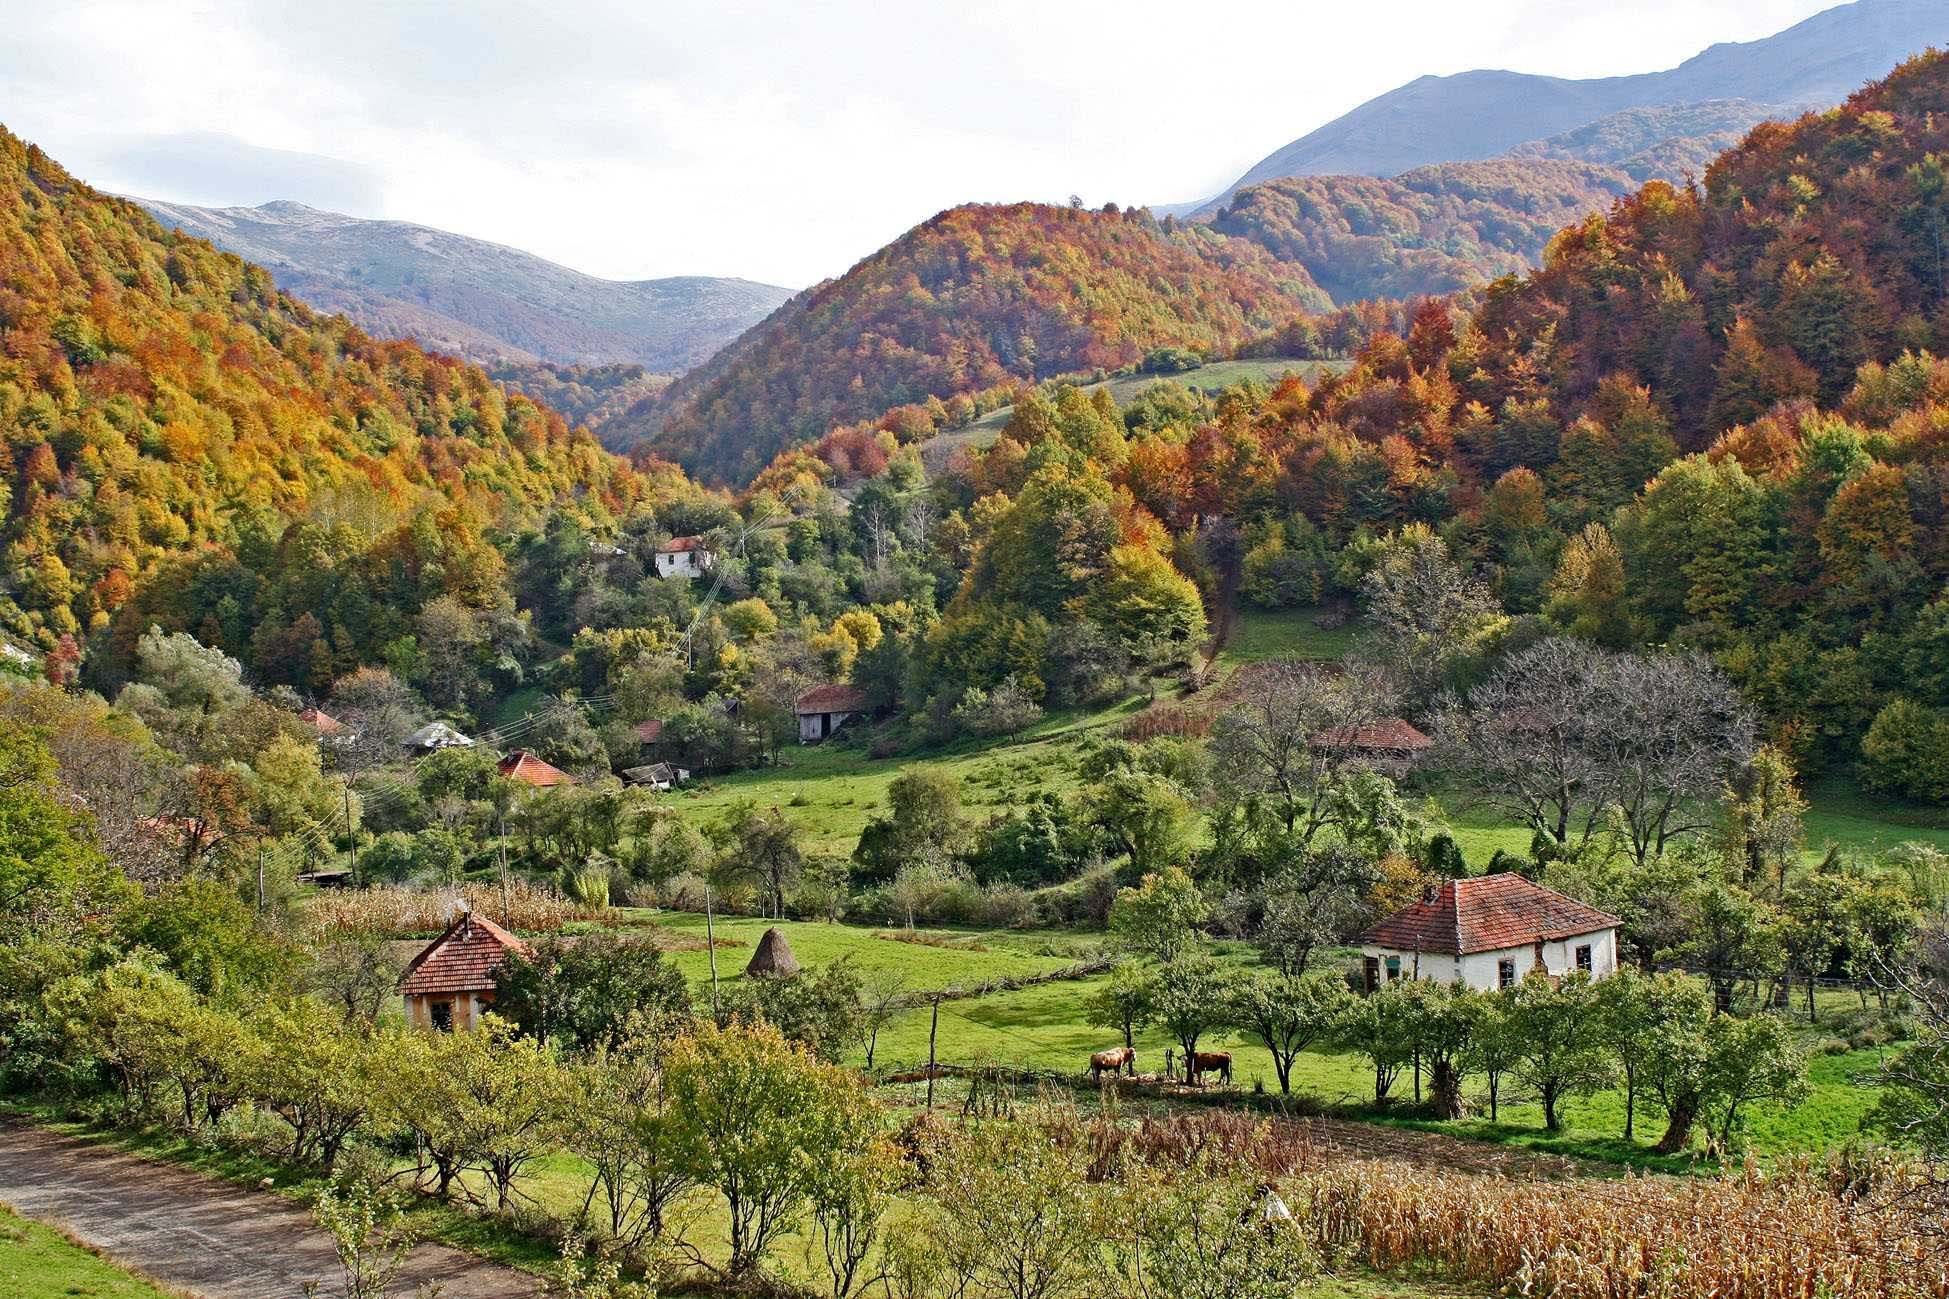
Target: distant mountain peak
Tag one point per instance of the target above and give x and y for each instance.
(1483, 113)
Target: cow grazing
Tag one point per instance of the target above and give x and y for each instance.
(1218, 1062)
(1113, 1062)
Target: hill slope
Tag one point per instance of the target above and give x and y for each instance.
(478, 300)
(976, 297)
(1484, 113)
(162, 402)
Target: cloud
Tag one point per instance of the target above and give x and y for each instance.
(217, 170)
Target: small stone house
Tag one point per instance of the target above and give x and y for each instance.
(450, 984)
(1489, 932)
(824, 709)
(684, 557)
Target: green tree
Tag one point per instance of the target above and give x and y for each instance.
(581, 991)
(754, 1117)
(1191, 997)
(1289, 1013)
(1122, 1002)
(1380, 1028)
(1563, 1044)
(1207, 1229)
(1159, 918)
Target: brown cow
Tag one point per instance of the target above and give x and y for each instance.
(1115, 1061)
(1219, 1062)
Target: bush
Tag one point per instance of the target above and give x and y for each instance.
(1906, 752)
(1006, 709)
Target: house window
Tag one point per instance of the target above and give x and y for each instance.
(1583, 957)
(442, 1013)
(1393, 968)
(1506, 973)
(1370, 972)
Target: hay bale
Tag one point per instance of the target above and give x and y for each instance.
(773, 959)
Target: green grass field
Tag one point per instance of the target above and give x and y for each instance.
(38, 1262)
(832, 790)
(935, 452)
(1262, 634)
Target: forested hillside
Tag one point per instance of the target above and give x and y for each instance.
(183, 443)
(976, 297)
(1433, 230)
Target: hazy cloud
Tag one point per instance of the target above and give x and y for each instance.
(220, 171)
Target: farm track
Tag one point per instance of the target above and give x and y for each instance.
(202, 1235)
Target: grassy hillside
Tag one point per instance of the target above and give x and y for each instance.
(976, 297)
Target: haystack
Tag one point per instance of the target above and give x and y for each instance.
(773, 959)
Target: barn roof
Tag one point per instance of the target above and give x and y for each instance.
(438, 735)
(1390, 733)
(526, 767)
(463, 959)
(677, 545)
(1484, 915)
(321, 721)
(831, 699)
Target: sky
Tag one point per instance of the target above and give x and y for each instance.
(780, 142)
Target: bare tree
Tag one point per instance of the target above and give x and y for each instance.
(1674, 731)
(1564, 731)
(1523, 741)
(1266, 744)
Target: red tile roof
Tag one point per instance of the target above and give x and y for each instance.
(677, 544)
(525, 766)
(321, 721)
(1389, 733)
(832, 699)
(1485, 915)
(463, 959)
(651, 731)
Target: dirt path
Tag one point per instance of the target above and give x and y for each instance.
(199, 1234)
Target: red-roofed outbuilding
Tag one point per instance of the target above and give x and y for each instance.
(824, 709)
(450, 983)
(1489, 932)
(524, 766)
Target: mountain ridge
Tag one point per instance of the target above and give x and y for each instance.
(484, 301)
(1482, 113)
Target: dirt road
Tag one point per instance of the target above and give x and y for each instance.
(202, 1235)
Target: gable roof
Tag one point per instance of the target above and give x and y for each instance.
(1486, 914)
(321, 721)
(525, 766)
(438, 735)
(677, 545)
(831, 699)
(463, 959)
(1390, 733)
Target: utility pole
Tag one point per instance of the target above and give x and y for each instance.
(933, 1029)
(351, 845)
(710, 945)
(260, 874)
(501, 822)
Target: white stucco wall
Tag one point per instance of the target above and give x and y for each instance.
(1479, 969)
(682, 563)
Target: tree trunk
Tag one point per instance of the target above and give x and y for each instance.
(1630, 1104)
(1552, 1121)
(1684, 1114)
(1445, 1085)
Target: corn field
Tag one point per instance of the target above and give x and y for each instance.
(395, 910)
(1791, 1232)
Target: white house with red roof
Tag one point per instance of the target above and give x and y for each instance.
(684, 557)
(450, 984)
(824, 709)
(1489, 932)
